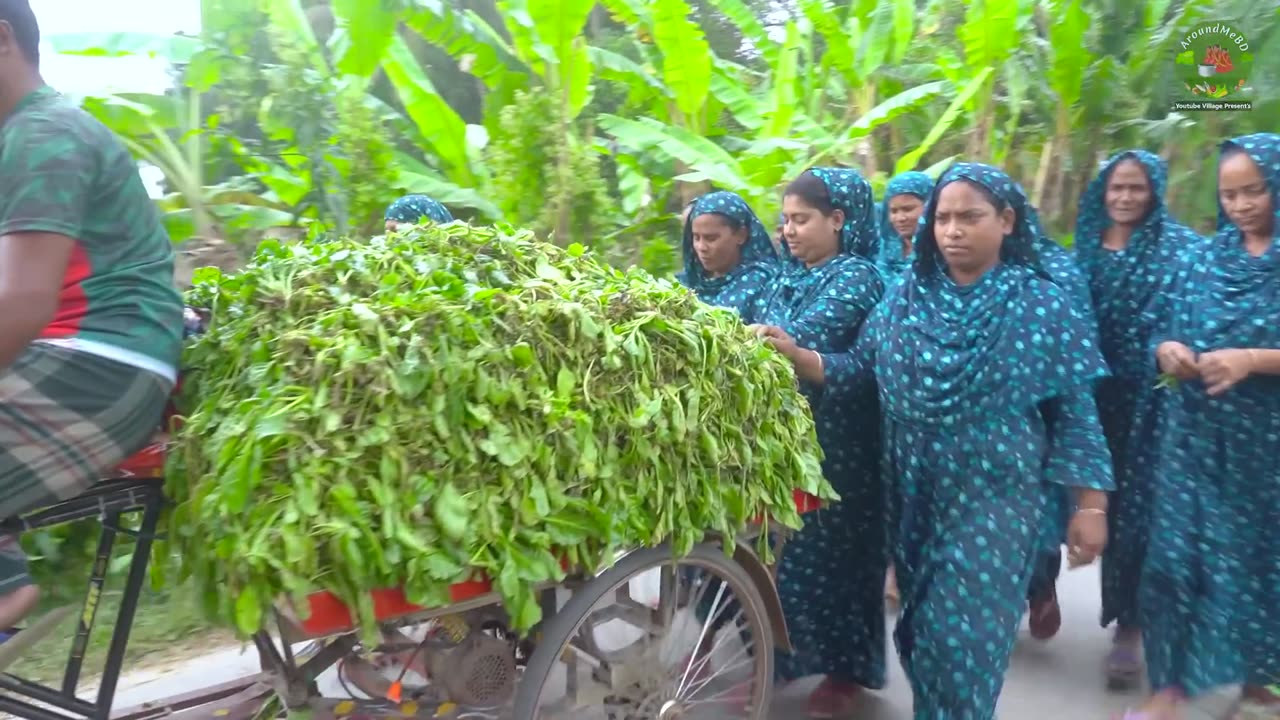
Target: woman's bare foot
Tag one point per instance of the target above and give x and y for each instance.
(833, 699)
(892, 600)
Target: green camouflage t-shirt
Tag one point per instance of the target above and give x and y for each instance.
(63, 172)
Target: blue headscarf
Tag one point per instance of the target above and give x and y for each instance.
(1264, 150)
(823, 307)
(1021, 247)
(949, 353)
(890, 256)
(1239, 295)
(412, 208)
(738, 288)
(851, 194)
(1129, 288)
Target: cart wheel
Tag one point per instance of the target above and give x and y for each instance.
(699, 646)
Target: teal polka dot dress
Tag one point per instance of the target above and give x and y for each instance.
(741, 288)
(1211, 576)
(1131, 290)
(987, 400)
(832, 572)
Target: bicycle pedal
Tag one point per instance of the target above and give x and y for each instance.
(18, 645)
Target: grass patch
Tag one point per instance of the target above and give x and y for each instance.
(167, 627)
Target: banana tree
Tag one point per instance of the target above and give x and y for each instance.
(989, 34)
(539, 42)
(167, 132)
(1069, 57)
(778, 141)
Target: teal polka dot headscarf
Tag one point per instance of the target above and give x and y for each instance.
(1264, 149)
(758, 248)
(851, 193)
(1020, 246)
(413, 208)
(1130, 289)
(908, 183)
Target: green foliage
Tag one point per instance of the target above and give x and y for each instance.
(363, 156)
(660, 101)
(518, 155)
(530, 150)
(410, 410)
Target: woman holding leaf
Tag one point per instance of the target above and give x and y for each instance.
(985, 371)
(1209, 586)
(832, 571)
(728, 256)
(1128, 244)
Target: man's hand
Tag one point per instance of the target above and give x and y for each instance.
(33, 267)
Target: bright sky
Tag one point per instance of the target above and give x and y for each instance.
(97, 75)
(90, 75)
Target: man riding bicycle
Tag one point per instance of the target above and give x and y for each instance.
(90, 322)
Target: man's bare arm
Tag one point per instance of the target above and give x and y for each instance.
(32, 267)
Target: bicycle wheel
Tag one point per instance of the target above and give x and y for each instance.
(606, 655)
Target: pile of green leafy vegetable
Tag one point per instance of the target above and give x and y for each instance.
(416, 410)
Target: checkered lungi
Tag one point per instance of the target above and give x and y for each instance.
(66, 417)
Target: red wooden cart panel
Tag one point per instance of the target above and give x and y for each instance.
(329, 615)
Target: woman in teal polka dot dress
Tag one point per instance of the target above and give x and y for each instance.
(900, 212)
(1211, 575)
(728, 256)
(832, 572)
(985, 371)
(1128, 244)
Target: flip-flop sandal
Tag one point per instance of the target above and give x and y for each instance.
(1045, 616)
(1124, 666)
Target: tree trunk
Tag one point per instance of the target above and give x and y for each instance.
(1082, 176)
(1042, 172)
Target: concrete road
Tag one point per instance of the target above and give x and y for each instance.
(1058, 680)
(1061, 679)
